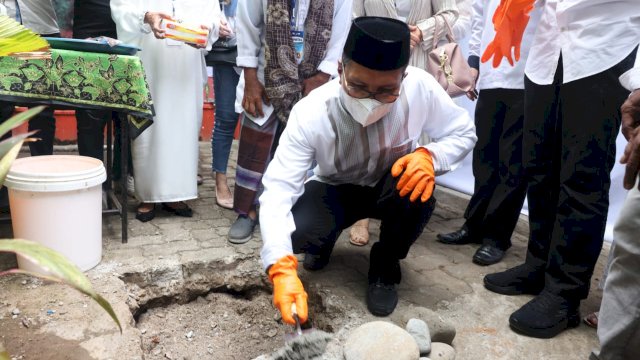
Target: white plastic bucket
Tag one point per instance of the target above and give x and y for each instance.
(56, 200)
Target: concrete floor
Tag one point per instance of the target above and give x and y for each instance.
(173, 260)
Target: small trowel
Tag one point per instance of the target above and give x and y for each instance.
(302, 344)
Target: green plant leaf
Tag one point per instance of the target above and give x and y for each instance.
(7, 144)
(19, 119)
(7, 160)
(58, 269)
(4, 355)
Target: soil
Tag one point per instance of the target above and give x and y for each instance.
(218, 326)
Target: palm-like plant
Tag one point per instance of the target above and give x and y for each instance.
(56, 266)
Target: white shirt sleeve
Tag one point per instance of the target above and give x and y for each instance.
(250, 24)
(631, 79)
(339, 31)
(477, 27)
(462, 26)
(128, 15)
(450, 128)
(283, 184)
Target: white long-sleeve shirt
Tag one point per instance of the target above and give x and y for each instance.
(320, 129)
(504, 76)
(592, 35)
(251, 32)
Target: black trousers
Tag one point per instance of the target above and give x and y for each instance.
(324, 210)
(499, 187)
(570, 135)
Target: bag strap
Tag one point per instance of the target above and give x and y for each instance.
(448, 34)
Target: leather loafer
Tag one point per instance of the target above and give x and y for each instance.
(459, 237)
(381, 298)
(488, 255)
(315, 262)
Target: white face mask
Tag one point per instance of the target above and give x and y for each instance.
(364, 111)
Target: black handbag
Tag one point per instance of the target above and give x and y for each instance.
(224, 51)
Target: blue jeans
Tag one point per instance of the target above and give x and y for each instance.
(225, 80)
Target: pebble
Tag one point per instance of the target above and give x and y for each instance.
(60, 303)
(442, 351)
(420, 332)
(15, 311)
(24, 282)
(143, 331)
(189, 335)
(271, 333)
(168, 355)
(26, 323)
(439, 329)
(379, 340)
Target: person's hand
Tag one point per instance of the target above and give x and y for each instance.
(154, 19)
(510, 20)
(288, 289)
(630, 114)
(225, 29)
(631, 130)
(314, 82)
(200, 45)
(254, 93)
(415, 36)
(418, 175)
(472, 94)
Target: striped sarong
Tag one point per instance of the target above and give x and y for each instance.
(255, 151)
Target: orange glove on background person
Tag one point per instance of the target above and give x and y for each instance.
(288, 289)
(418, 175)
(510, 20)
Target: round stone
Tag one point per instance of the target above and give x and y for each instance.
(379, 340)
(442, 351)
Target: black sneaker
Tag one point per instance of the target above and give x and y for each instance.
(381, 298)
(546, 316)
(522, 279)
(315, 262)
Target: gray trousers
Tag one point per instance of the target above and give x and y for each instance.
(619, 319)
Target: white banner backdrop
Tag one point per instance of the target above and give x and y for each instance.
(462, 178)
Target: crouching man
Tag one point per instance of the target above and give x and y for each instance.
(362, 130)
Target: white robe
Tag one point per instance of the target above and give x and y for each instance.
(165, 156)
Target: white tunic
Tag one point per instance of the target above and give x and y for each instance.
(165, 156)
(314, 131)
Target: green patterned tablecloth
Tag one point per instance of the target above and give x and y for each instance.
(81, 80)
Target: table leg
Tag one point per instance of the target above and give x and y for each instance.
(124, 166)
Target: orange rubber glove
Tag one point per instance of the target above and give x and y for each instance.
(510, 20)
(288, 289)
(418, 175)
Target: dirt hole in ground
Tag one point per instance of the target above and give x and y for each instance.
(221, 325)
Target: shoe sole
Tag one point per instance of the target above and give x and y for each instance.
(478, 261)
(457, 243)
(240, 241)
(571, 322)
(509, 290)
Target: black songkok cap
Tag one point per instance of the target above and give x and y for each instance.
(378, 43)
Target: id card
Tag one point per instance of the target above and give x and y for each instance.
(298, 45)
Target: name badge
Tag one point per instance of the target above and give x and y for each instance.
(298, 45)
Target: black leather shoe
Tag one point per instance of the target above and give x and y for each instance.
(546, 316)
(459, 237)
(488, 255)
(315, 262)
(519, 280)
(381, 298)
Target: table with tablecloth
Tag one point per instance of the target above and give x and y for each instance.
(87, 80)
